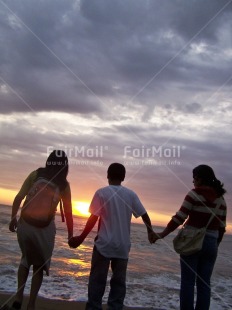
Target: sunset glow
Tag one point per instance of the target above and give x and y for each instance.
(81, 208)
(7, 196)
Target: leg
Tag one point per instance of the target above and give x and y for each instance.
(36, 282)
(23, 273)
(117, 284)
(188, 279)
(205, 269)
(97, 280)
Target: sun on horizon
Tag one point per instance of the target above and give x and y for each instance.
(81, 208)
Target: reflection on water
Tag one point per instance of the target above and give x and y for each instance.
(79, 262)
(71, 266)
(73, 274)
(82, 270)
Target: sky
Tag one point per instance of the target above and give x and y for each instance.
(146, 83)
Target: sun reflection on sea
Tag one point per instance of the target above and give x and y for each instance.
(77, 267)
(76, 261)
(81, 270)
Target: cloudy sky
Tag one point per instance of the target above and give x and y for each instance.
(143, 82)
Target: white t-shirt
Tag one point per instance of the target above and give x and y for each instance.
(115, 206)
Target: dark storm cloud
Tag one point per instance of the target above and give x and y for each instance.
(73, 57)
(190, 18)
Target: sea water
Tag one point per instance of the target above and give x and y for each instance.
(153, 276)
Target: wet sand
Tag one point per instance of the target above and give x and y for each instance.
(53, 304)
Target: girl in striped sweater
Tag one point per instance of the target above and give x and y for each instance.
(196, 211)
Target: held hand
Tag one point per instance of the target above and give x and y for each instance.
(152, 237)
(159, 236)
(74, 242)
(155, 237)
(13, 225)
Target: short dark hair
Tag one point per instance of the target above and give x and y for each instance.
(116, 171)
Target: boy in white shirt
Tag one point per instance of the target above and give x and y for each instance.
(114, 205)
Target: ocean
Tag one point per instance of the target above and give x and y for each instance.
(153, 276)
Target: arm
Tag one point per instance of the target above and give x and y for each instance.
(151, 234)
(67, 204)
(222, 228)
(76, 241)
(147, 222)
(164, 233)
(15, 207)
(19, 198)
(167, 230)
(221, 234)
(89, 226)
(179, 218)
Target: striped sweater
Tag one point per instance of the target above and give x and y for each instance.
(196, 210)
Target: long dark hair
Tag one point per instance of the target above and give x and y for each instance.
(56, 169)
(206, 174)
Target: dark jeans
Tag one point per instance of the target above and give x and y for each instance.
(97, 282)
(197, 268)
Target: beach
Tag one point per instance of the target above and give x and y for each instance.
(153, 277)
(55, 304)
